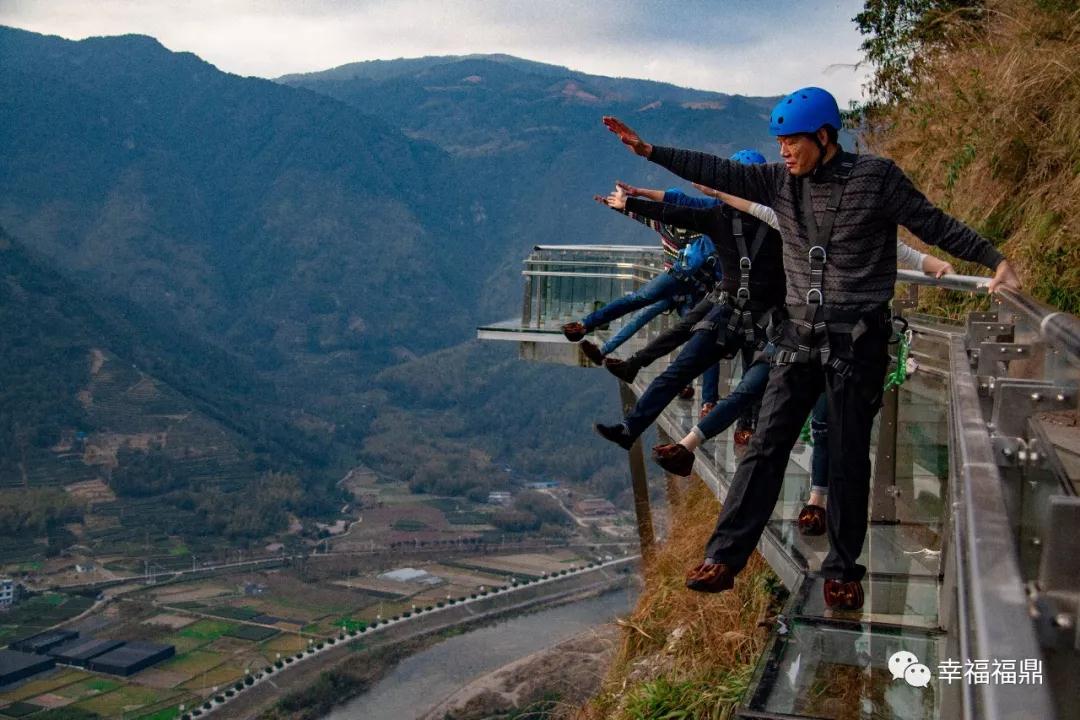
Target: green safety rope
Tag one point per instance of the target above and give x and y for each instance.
(894, 379)
(898, 375)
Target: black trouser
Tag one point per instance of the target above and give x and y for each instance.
(673, 337)
(706, 347)
(853, 397)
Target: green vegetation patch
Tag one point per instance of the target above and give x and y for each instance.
(180, 550)
(43, 611)
(19, 709)
(349, 624)
(468, 518)
(707, 699)
(193, 663)
(408, 525)
(167, 713)
(189, 605)
(122, 700)
(89, 687)
(206, 630)
(251, 632)
(233, 613)
(67, 713)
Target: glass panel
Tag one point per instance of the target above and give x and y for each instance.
(842, 673)
(911, 601)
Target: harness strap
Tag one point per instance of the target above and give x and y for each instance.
(813, 336)
(741, 315)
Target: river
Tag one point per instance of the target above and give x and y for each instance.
(421, 681)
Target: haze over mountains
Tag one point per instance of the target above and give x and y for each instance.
(282, 259)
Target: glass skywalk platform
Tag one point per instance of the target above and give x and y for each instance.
(971, 548)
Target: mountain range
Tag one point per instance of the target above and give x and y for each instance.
(299, 264)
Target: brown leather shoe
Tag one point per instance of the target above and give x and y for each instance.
(592, 352)
(706, 408)
(812, 520)
(742, 437)
(676, 459)
(710, 578)
(843, 595)
(625, 370)
(687, 393)
(574, 331)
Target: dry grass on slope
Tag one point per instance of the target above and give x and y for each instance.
(681, 650)
(991, 132)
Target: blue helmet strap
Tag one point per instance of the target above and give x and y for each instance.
(820, 147)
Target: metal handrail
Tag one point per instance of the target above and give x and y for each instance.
(963, 283)
(991, 585)
(572, 274)
(644, 249)
(1058, 329)
(592, 263)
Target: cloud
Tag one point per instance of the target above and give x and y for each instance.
(735, 46)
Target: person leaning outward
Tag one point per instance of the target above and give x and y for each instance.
(671, 288)
(838, 216)
(672, 240)
(752, 285)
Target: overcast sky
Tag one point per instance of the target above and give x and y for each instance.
(755, 48)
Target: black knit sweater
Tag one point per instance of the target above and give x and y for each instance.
(861, 269)
(767, 271)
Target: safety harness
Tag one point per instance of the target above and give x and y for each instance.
(742, 313)
(814, 320)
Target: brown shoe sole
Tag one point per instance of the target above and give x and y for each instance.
(678, 462)
(712, 578)
(844, 596)
(812, 520)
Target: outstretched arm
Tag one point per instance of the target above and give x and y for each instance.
(763, 213)
(695, 219)
(647, 193)
(908, 207)
(753, 182)
(617, 202)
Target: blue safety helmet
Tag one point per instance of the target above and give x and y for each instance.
(805, 111)
(748, 157)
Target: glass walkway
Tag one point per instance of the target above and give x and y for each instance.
(972, 548)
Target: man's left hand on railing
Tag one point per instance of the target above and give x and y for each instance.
(1004, 276)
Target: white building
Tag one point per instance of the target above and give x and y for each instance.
(7, 592)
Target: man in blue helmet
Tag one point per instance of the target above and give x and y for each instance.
(838, 216)
(732, 319)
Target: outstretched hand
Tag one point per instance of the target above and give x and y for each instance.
(1004, 276)
(630, 190)
(629, 138)
(616, 200)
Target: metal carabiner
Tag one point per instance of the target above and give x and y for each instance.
(810, 254)
(820, 297)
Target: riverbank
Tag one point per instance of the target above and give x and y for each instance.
(286, 694)
(563, 676)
